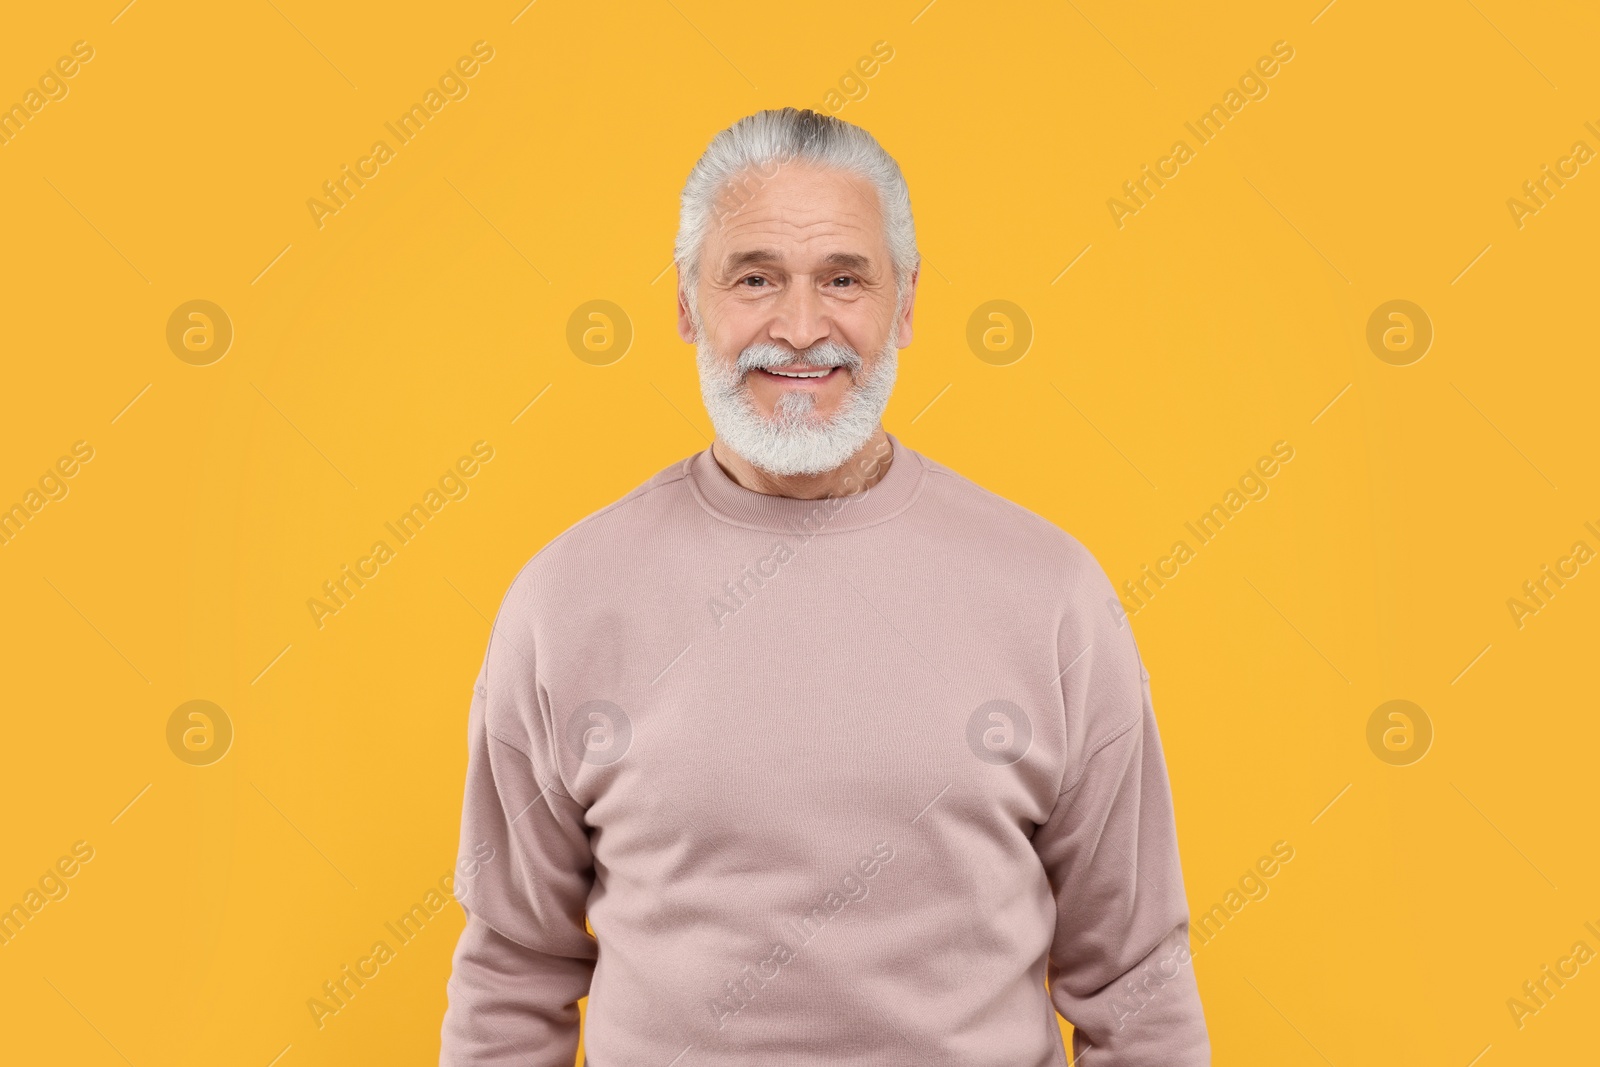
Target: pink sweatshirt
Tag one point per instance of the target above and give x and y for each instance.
(835, 782)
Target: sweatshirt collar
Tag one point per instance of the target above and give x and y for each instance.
(731, 502)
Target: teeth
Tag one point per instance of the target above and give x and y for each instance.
(798, 374)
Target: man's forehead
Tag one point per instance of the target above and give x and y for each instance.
(797, 203)
(800, 211)
(787, 180)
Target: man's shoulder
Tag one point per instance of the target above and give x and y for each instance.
(1034, 561)
(1012, 534)
(600, 541)
(630, 512)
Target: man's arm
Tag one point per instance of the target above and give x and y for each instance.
(1120, 968)
(523, 879)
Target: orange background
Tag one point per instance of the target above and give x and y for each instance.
(1167, 354)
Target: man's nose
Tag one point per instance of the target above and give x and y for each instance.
(801, 320)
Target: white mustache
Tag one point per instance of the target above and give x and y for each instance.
(819, 356)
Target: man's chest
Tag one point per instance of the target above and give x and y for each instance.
(828, 698)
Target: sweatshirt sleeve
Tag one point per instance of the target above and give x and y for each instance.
(523, 879)
(1120, 968)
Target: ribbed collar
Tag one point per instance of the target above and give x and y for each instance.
(731, 502)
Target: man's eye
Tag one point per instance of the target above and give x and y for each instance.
(842, 278)
(755, 281)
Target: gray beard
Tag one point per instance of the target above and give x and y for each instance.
(795, 440)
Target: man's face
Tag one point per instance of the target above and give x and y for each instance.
(796, 279)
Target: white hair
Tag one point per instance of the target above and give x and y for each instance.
(750, 152)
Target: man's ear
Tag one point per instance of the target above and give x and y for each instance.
(905, 311)
(685, 320)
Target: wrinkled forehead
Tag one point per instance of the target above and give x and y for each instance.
(797, 208)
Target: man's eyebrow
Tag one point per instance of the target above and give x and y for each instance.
(853, 260)
(737, 261)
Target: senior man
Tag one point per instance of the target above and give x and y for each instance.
(844, 759)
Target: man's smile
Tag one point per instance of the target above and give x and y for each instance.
(801, 377)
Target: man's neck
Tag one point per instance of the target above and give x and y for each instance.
(860, 472)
